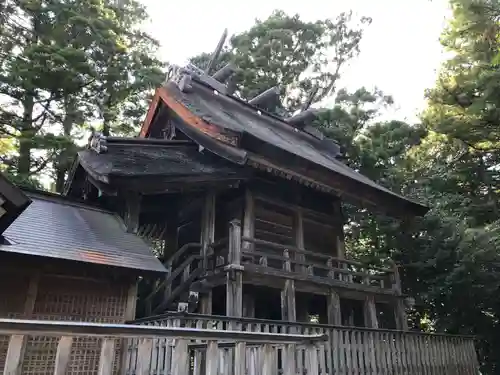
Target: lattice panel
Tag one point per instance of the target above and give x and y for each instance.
(12, 300)
(66, 299)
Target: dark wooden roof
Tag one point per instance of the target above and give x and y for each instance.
(243, 134)
(153, 164)
(12, 203)
(55, 227)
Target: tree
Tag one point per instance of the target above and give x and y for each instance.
(65, 63)
(291, 53)
(126, 70)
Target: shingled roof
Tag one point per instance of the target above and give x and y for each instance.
(58, 228)
(224, 124)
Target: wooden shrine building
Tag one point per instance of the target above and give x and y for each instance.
(63, 260)
(207, 245)
(243, 208)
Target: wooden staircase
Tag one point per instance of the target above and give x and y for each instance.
(174, 292)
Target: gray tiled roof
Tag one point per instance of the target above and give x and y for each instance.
(53, 227)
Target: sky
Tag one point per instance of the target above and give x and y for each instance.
(400, 51)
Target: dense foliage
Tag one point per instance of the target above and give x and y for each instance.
(65, 64)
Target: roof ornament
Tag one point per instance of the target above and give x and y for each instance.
(301, 119)
(182, 76)
(216, 54)
(224, 73)
(97, 142)
(266, 100)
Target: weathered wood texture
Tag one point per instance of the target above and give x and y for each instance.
(206, 351)
(347, 350)
(70, 293)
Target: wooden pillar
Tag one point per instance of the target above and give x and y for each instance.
(298, 224)
(399, 307)
(334, 311)
(130, 309)
(17, 343)
(133, 207)
(234, 276)
(339, 227)
(248, 218)
(370, 312)
(207, 238)
(288, 305)
(400, 315)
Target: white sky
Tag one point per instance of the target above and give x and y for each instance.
(400, 52)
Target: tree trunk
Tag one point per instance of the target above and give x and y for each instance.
(26, 139)
(63, 162)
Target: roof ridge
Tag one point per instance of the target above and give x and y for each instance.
(62, 199)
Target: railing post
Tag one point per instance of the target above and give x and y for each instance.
(312, 360)
(180, 358)
(399, 306)
(267, 354)
(107, 357)
(234, 277)
(240, 359)
(63, 355)
(212, 360)
(13, 361)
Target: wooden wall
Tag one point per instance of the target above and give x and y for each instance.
(66, 293)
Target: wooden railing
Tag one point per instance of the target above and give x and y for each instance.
(292, 259)
(183, 266)
(159, 349)
(259, 255)
(348, 350)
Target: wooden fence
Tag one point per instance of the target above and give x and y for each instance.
(347, 350)
(190, 349)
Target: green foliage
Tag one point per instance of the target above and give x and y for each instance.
(294, 54)
(64, 64)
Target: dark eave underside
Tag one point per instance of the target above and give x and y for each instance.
(152, 166)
